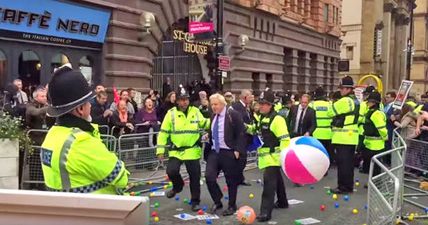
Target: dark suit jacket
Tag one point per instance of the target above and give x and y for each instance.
(234, 131)
(246, 117)
(308, 123)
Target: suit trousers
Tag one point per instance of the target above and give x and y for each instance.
(193, 168)
(223, 161)
(242, 164)
(272, 183)
(345, 166)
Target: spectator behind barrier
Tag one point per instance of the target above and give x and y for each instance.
(168, 104)
(122, 120)
(99, 88)
(407, 122)
(21, 95)
(422, 124)
(132, 94)
(230, 99)
(124, 96)
(147, 117)
(100, 111)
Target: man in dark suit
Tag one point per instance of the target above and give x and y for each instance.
(302, 118)
(242, 107)
(227, 145)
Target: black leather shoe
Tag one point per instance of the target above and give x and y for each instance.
(340, 191)
(171, 194)
(215, 207)
(229, 211)
(195, 207)
(245, 184)
(263, 218)
(280, 206)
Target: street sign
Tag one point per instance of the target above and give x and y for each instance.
(224, 63)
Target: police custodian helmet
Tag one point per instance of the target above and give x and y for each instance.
(182, 92)
(267, 96)
(347, 82)
(374, 97)
(68, 89)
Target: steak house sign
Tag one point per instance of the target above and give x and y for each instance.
(189, 46)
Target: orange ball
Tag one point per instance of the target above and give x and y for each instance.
(246, 215)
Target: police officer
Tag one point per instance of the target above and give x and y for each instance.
(345, 113)
(375, 132)
(74, 159)
(180, 130)
(273, 131)
(323, 131)
(287, 103)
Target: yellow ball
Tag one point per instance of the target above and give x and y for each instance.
(165, 187)
(150, 183)
(251, 196)
(156, 219)
(355, 211)
(152, 194)
(411, 217)
(357, 184)
(334, 197)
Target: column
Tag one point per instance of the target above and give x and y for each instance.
(319, 74)
(333, 74)
(307, 71)
(326, 74)
(290, 69)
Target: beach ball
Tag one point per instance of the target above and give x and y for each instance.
(246, 215)
(305, 160)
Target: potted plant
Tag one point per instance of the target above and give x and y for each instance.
(12, 139)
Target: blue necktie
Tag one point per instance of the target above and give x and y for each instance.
(216, 135)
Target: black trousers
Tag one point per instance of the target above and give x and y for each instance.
(273, 183)
(367, 157)
(223, 161)
(330, 149)
(345, 166)
(193, 168)
(242, 164)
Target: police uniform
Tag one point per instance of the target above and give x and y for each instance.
(323, 131)
(285, 110)
(181, 132)
(273, 130)
(375, 132)
(74, 158)
(345, 113)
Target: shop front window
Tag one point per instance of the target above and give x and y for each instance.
(58, 60)
(2, 68)
(29, 67)
(86, 68)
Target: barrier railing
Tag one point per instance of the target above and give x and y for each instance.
(385, 185)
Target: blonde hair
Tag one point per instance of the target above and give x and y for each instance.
(218, 97)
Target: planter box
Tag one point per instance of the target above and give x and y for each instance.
(9, 164)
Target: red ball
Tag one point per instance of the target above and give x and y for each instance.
(201, 212)
(322, 207)
(154, 214)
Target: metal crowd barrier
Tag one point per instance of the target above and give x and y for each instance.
(385, 189)
(32, 174)
(104, 129)
(416, 164)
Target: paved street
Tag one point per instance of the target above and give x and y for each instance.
(313, 197)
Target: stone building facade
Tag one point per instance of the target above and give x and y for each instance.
(419, 73)
(292, 44)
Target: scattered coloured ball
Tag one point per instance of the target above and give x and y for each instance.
(426, 210)
(328, 192)
(225, 188)
(355, 211)
(132, 193)
(346, 198)
(246, 215)
(209, 221)
(152, 194)
(251, 196)
(297, 222)
(182, 216)
(156, 219)
(336, 205)
(411, 217)
(312, 187)
(156, 204)
(322, 207)
(366, 207)
(177, 198)
(204, 208)
(186, 201)
(334, 197)
(226, 197)
(165, 187)
(154, 214)
(357, 184)
(201, 212)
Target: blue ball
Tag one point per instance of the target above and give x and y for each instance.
(336, 205)
(226, 198)
(182, 216)
(209, 221)
(190, 202)
(426, 210)
(177, 198)
(312, 187)
(204, 208)
(357, 180)
(346, 198)
(366, 207)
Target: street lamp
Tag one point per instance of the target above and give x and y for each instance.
(219, 47)
(412, 6)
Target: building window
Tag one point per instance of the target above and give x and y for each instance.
(2, 68)
(29, 66)
(326, 12)
(269, 80)
(58, 60)
(350, 52)
(86, 68)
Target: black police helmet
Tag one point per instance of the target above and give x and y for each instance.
(67, 90)
(347, 82)
(267, 96)
(374, 97)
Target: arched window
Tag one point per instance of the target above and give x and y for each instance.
(58, 60)
(86, 68)
(29, 70)
(2, 68)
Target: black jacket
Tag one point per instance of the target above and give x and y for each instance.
(246, 117)
(97, 113)
(308, 123)
(234, 131)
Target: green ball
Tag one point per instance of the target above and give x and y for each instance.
(328, 192)
(186, 201)
(156, 204)
(297, 222)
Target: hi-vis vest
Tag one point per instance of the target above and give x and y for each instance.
(375, 132)
(181, 133)
(274, 133)
(79, 162)
(323, 130)
(345, 113)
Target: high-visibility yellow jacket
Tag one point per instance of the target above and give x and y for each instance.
(182, 133)
(375, 132)
(345, 112)
(77, 161)
(274, 133)
(322, 109)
